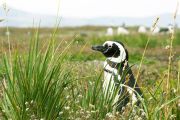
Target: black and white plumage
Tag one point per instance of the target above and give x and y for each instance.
(116, 62)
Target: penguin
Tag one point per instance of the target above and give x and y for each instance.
(118, 76)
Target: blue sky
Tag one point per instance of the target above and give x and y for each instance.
(95, 8)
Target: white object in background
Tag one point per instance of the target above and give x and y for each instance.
(155, 30)
(109, 31)
(123, 31)
(142, 29)
(171, 29)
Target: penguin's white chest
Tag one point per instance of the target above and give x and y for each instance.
(109, 85)
(109, 79)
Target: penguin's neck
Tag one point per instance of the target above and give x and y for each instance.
(116, 65)
(111, 66)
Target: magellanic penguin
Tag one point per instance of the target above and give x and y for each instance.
(117, 73)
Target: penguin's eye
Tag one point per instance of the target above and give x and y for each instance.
(109, 46)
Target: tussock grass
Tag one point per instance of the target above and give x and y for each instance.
(34, 85)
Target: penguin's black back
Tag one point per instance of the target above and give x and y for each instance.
(130, 82)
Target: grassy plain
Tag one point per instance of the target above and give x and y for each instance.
(56, 75)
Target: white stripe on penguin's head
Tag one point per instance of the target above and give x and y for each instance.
(122, 55)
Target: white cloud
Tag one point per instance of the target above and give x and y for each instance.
(97, 8)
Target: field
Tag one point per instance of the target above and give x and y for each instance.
(52, 73)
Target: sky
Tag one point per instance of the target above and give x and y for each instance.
(95, 8)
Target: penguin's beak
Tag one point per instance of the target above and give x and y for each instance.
(99, 48)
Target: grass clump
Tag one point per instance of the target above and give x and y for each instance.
(34, 84)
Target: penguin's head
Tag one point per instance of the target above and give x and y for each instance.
(114, 51)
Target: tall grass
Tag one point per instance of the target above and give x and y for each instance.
(34, 84)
